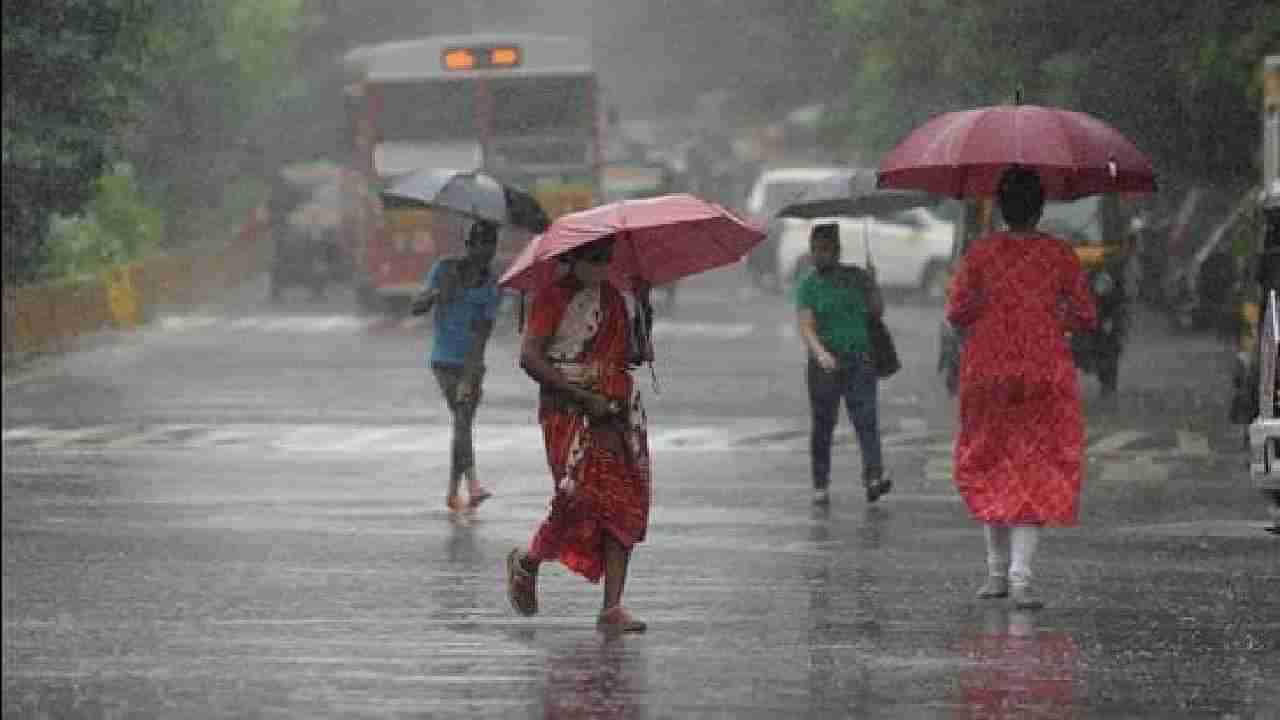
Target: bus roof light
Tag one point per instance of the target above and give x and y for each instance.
(459, 59)
(504, 57)
(481, 57)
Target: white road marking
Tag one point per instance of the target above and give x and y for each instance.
(1116, 441)
(664, 329)
(1141, 470)
(1193, 444)
(939, 469)
(913, 425)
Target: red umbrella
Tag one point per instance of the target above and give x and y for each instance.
(962, 154)
(660, 239)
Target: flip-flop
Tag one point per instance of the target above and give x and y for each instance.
(478, 497)
(618, 619)
(522, 585)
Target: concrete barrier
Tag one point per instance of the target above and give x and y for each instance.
(53, 316)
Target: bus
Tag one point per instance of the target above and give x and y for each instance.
(524, 108)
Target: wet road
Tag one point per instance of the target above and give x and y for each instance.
(239, 513)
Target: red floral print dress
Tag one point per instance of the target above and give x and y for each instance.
(1019, 456)
(600, 469)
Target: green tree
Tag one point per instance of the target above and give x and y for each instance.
(61, 99)
(1178, 78)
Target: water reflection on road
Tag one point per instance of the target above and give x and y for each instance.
(596, 677)
(1017, 669)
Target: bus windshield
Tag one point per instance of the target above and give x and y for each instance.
(445, 110)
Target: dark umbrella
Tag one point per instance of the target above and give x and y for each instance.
(876, 203)
(474, 194)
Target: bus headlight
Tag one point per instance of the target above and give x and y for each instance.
(1102, 284)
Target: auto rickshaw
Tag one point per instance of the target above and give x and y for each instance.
(1259, 380)
(307, 250)
(1257, 376)
(1103, 240)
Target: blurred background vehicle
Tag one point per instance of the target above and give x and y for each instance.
(307, 248)
(1200, 292)
(910, 249)
(775, 188)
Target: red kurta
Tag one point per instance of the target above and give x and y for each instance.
(600, 470)
(1019, 457)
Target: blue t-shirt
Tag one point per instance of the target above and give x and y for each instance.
(455, 320)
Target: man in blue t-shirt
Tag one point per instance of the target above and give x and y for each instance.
(464, 293)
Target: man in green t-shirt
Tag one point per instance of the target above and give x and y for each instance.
(834, 303)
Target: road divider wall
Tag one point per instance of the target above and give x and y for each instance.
(53, 317)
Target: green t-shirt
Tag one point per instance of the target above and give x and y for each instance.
(839, 303)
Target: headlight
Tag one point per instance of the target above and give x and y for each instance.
(1103, 283)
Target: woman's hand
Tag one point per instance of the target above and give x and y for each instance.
(826, 360)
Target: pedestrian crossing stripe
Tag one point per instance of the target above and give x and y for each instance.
(762, 436)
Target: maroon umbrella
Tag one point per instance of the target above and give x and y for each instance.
(660, 239)
(962, 154)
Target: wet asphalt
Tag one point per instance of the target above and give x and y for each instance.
(239, 512)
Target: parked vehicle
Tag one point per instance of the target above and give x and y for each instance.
(776, 188)
(910, 249)
(1200, 292)
(1257, 381)
(307, 247)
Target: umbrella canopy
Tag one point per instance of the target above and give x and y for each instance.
(660, 239)
(963, 154)
(876, 203)
(472, 193)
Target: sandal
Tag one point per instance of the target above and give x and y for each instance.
(522, 585)
(479, 495)
(618, 619)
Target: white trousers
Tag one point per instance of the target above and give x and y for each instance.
(1010, 550)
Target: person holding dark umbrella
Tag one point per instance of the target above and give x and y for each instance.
(463, 291)
(834, 305)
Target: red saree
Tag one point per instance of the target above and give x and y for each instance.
(1019, 455)
(600, 469)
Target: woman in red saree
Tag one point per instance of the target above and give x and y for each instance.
(593, 425)
(1019, 456)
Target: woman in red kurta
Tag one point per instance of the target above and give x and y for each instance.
(593, 424)
(1019, 457)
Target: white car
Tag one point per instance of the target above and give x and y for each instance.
(911, 249)
(776, 188)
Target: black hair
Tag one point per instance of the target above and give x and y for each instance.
(825, 231)
(1020, 196)
(484, 232)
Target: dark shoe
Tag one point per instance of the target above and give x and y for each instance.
(1024, 598)
(877, 485)
(522, 585)
(618, 619)
(994, 587)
